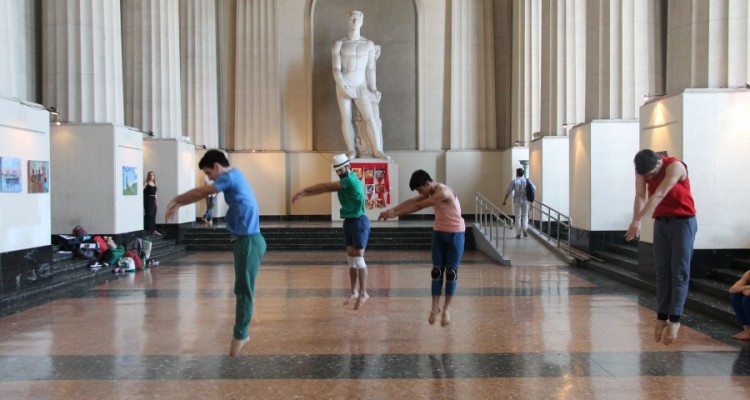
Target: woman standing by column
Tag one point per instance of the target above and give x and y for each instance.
(150, 203)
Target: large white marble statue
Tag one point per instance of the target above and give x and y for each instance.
(354, 60)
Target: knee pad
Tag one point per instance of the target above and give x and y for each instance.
(350, 262)
(359, 262)
(437, 273)
(451, 274)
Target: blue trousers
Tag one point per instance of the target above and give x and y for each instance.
(741, 306)
(673, 250)
(447, 249)
(248, 252)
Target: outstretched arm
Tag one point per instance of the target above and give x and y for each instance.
(415, 204)
(189, 197)
(314, 190)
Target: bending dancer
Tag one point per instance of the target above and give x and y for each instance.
(356, 224)
(447, 236)
(670, 203)
(242, 221)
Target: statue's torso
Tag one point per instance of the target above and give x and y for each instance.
(354, 56)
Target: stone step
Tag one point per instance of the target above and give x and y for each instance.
(319, 238)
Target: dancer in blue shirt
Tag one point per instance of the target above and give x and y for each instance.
(242, 221)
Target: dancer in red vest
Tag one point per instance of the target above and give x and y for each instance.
(670, 203)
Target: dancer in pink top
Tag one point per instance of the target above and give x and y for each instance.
(447, 236)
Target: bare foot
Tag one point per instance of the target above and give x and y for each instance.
(433, 315)
(659, 329)
(236, 346)
(361, 301)
(446, 320)
(351, 297)
(670, 332)
(744, 335)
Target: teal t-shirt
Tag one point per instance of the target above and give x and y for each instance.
(351, 197)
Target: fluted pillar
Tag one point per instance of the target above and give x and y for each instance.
(624, 57)
(472, 76)
(17, 43)
(227, 22)
(151, 40)
(257, 103)
(198, 71)
(707, 44)
(81, 67)
(563, 65)
(526, 69)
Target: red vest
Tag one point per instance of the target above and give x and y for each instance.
(678, 202)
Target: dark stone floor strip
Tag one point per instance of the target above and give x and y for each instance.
(376, 366)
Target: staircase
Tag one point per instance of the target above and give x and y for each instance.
(318, 239)
(707, 295)
(67, 272)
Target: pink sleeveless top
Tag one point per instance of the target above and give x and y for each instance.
(448, 216)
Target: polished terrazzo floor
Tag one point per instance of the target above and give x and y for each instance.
(537, 330)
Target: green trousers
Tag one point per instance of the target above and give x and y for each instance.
(248, 252)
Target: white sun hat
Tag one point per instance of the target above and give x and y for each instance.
(340, 160)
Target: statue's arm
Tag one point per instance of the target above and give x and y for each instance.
(336, 61)
(370, 71)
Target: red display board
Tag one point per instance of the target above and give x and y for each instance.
(376, 180)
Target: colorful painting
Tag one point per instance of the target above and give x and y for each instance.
(129, 181)
(38, 176)
(10, 175)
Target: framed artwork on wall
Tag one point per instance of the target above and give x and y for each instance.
(10, 175)
(129, 181)
(38, 177)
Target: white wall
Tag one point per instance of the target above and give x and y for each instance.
(710, 130)
(86, 185)
(25, 219)
(549, 170)
(601, 156)
(472, 172)
(173, 162)
(266, 173)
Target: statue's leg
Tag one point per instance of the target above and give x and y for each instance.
(347, 128)
(374, 134)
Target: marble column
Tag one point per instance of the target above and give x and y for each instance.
(526, 60)
(226, 11)
(151, 41)
(81, 60)
(17, 43)
(624, 57)
(257, 114)
(707, 44)
(198, 71)
(563, 65)
(472, 76)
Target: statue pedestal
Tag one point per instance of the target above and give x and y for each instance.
(379, 179)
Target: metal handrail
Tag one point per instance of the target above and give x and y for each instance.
(541, 213)
(491, 221)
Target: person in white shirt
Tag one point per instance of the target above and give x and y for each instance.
(520, 204)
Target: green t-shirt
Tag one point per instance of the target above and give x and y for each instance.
(351, 197)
